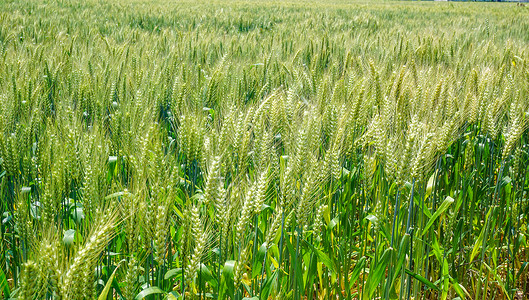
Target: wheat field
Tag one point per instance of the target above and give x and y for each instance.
(264, 150)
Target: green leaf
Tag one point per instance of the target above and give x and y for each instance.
(173, 273)
(4, 286)
(173, 295)
(149, 291)
(479, 241)
(258, 261)
(373, 219)
(69, 237)
(104, 293)
(227, 280)
(77, 214)
(498, 279)
(520, 272)
(268, 285)
(322, 256)
(377, 274)
(422, 279)
(458, 289)
(446, 280)
(444, 206)
(207, 276)
(296, 264)
(401, 256)
(356, 271)
(334, 222)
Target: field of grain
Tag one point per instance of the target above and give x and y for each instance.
(264, 150)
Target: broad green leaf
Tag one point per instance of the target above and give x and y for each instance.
(172, 296)
(444, 206)
(77, 214)
(377, 274)
(4, 286)
(373, 219)
(69, 237)
(173, 273)
(104, 293)
(479, 241)
(446, 280)
(499, 281)
(334, 222)
(422, 279)
(258, 261)
(269, 284)
(207, 276)
(322, 256)
(401, 256)
(149, 291)
(458, 289)
(296, 264)
(520, 272)
(227, 279)
(356, 271)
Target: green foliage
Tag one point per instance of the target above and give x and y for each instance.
(263, 150)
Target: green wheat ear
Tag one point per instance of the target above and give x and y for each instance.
(300, 150)
(76, 282)
(31, 281)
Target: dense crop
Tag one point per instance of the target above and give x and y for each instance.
(298, 150)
